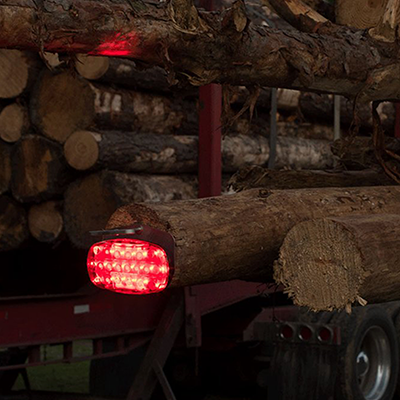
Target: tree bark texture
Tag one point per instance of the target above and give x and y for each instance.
(13, 226)
(238, 236)
(209, 47)
(258, 177)
(90, 201)
(133, 152)
(39, 169)
(5, 167)
(62, 103)
(331, 263)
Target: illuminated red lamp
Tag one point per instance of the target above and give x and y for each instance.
(130, 266)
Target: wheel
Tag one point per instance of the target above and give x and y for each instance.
(369, 364)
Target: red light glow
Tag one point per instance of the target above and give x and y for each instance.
(128, 266)
(119, 45)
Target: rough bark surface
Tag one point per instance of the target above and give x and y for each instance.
(14, 122)
(89, 202)
(62, 104)
(39, 169)
(209, 47)
(13, 226)
(132, 152)
(331, 263)
(258, 177)
(5, 167)
(45, 221)
(255, 220)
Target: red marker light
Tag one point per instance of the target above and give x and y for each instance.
(128, 266)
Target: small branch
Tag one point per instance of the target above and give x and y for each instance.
(298, 14)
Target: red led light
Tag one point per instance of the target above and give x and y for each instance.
(287, 332)
(324, 335)
(128, 266)
(121, 44)
(305, 333)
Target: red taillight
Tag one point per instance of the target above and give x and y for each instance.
(128, 266)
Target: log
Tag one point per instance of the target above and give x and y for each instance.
(89, 202)
(63, 103)
(305, 130)
(14, 122)
(39, 170)
(330, 263)
(306, 61)
(316, 107)
(18, 71)
(131, 152)
(127, 73)
(257, 177)
(238, 236)
(5, 167)
(45, 221)
(13, 226)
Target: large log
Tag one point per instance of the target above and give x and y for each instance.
(14, 122)
(330, 263)
(258, 177)
(5, 167)
(13, 226)
(238, 236)
(18, 71)
(39, 169)
(63, 103)
(45, 221)
(89, 202)
(329, 58)
(151, 153)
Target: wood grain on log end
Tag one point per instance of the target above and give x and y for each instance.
(39, 169)
(61, 104)
(5, 167)
(81, 150)
(45, 221)
(330, 263)
(91, 67)
(14, 121)
(17, 72)
(13, 226)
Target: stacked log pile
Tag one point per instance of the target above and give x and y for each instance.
(77, 144)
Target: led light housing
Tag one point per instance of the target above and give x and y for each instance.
(129, 265)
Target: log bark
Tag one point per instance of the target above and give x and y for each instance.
(39, 170)
(14, 122)
(239, 236)
(320, 108)
(210, 47)
(63, 103)
(132, 152)
(13, 226)
(258, 177)
(331, 263)
(89, 202)
(127, 73)
(5, 167)
(18, 71)
(45, 221)
(305, 130)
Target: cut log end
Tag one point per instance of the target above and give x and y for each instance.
(81, 150)
(61, 104)
(45, 221)
(91, 67)
(13, 226)
(13, 122)
(320, 265)
(14, 73)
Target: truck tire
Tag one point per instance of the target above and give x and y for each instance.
(368, 365)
